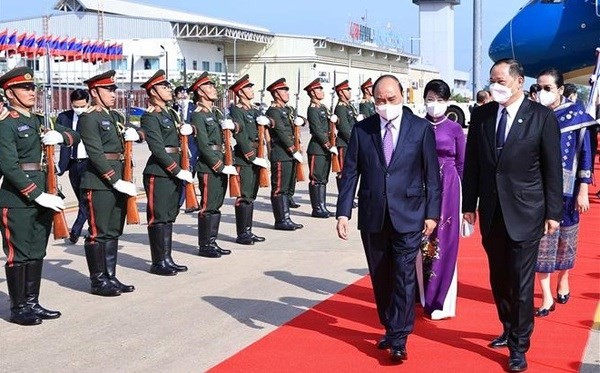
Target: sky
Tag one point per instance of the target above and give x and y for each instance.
(327, 18)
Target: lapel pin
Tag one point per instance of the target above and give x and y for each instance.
(519, 120)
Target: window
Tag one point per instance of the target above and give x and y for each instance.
(181, 63)
(151, 63)
(119, 64)
(194, 65)
(205, 65)
(34, 65)
(218, 67)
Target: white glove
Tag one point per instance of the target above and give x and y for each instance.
(333, 118)
(131, 134)
(299, 121)
(232, 142)
(334, 150)
(360, 117)
(229, 170)
(125, 187)
(52, 137)
(50, 201)
(186, 129)
(298, 156)
(261, 120)
(227, 124)
(261, 162)
(185, 175)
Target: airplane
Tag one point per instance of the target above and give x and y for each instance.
(563, 34)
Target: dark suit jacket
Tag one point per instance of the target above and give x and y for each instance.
(65, 119)
(526, 179)
(409, 188)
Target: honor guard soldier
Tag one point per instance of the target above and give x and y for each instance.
(366, 107)
(319, 149)
(27, 210)
(163, 175)
(284, 154)
(246, 118)
(103, 134)
(212, 171)
(347, 117)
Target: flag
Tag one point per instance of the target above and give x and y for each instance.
(85, 49)
(13, 43)
(42, 43)
(27, 47)
(3, 39)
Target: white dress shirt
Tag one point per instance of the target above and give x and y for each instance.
(395, 128)
(511, 113)
(81, 153)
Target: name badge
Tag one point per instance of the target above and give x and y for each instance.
(23, 128)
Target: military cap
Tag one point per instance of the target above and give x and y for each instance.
(104, 80)
(313, 85)
(17, 77)
(202, 80)
(158, 78)
(367, 84)
(278, 84)
(242, 83)
(343, 85)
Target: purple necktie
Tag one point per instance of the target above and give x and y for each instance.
(388, 143)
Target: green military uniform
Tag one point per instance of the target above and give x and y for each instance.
(211, 180)
(102, 131)
(283, 164)
(366, 107)
(246, 137)
(346, 114)
(319, 153)
(25, 224)
(161, 128)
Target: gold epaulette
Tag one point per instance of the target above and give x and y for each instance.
(4, 113)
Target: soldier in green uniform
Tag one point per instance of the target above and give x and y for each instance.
(319, 149)
(103, 135)
(212, 171)
(27, 209)
(347, 117)
(163, 174)
(366, 107)
(246, 118)
(284, 154)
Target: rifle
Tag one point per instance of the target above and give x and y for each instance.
(234, 181)
(191, 200)
(333, 91)
(263, 173)
(133, 216)
(335, 159)
(59, 222)
(297, 145)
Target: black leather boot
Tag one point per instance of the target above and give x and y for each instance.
(281, 212)
(293, 204)
(20, 312)
(32, 285)
(215, 220)
(157, 251)
(168, 239)
(322, 189)
(95, 257)
(205, 246)
(110, 251)
(316, 202)
(244, 236)
(249, 224)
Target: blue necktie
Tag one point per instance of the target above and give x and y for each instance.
(501, 132)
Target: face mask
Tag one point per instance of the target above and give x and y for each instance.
(500, 93)
(79, 110)
(389, 111)
(436, 109)
(546, 98)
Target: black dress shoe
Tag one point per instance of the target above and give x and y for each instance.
(383, 344)
(500, 341)
(562, 299)
(517, 362)
(543, 312)
(73, 238)
(209, 252)
(398, 354)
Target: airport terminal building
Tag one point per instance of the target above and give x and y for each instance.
(183, 43)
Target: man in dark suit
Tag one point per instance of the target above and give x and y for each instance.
(74, 159)
(513, 167)
(394, 156)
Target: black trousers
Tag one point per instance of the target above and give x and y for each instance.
(512, 274)
(76, 170)
(391, 258)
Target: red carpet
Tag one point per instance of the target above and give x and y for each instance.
(339, 334)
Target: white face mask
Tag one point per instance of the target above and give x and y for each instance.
(389, 111)
(500, 93)
(436, 109)
(546, 98)
(79, 110)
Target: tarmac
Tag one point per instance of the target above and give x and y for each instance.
(196, 319)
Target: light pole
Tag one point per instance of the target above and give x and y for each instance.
(166, 62)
